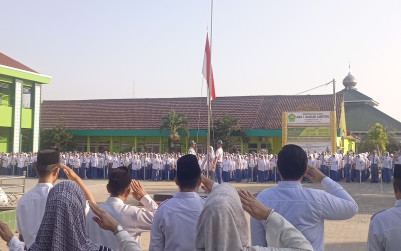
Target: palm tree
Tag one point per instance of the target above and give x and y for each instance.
(175, 122)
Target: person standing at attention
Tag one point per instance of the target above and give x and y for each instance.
(305, 208)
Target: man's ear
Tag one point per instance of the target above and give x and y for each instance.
(108, 189)
(176, 181)
(200, 182)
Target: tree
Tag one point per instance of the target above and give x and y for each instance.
(174, 123)
(393, 144)
(57, 137)
(376, 139)
(225, 128)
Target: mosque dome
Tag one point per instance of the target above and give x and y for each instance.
(349, 81)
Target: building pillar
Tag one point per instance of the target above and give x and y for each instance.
(160, 144)
(37, 98)
(111, 144)
(17, 116)
(88, 143)
(242, 146)
(135, 144)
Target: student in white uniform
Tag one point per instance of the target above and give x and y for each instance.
(174, 225)
(133, 219)
(385, 227)
(31, 206)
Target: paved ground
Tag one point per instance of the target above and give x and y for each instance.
(339, 235)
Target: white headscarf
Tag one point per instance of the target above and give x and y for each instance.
(222, 224)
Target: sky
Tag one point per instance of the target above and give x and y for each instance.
(98, 49)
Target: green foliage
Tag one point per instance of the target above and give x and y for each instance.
(225, 128)
(376, 139)
(174, 123)
(57, 137)
(393, 144)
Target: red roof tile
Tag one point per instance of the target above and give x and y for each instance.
(253, 112)
(7, 61)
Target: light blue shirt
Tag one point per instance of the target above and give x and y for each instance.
(174, 225)
(385, 229)
(305, 208)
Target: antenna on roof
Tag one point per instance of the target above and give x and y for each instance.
(349, 65)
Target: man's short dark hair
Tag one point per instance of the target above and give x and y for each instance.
(292, 162)
(119, 181)
(188, 171)
(47, 161)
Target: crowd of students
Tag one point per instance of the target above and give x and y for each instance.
(288, 216)
(255, 167)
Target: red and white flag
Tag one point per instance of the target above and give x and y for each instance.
(207, 69)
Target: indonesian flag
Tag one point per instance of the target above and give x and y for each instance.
(207, 69)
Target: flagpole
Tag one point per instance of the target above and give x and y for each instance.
(209, 101)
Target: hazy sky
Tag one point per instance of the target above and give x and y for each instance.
(98, 49)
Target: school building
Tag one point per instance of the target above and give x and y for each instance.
(20, 106)
(123, 125)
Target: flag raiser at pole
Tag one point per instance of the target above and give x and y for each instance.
(207, 69)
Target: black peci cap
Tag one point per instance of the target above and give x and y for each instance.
(48, 157)
(119, 177)
(188, 167)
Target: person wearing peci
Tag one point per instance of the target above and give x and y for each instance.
(222, 225)
(305, 208)
(63, 224)
(174, 225)
(133, 219)
(192, 146)
(31, 206)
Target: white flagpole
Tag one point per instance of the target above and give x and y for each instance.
(209, 102)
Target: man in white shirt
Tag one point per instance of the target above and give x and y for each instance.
(133, 219)
(174, 225)
(31, 206)
(385, 227)
(305, 208)
(192, 146)
(218, 162)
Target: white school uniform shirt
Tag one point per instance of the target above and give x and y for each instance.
(226, 165)
(374, 160)
(21, 162)
(334, 163)
(219, 155)
(133, 219)
(359, 164)
(305, 208)
(174, 225)
(385, 229)
(191, 150)
(387, 162)
(101, 162)
(95, 161)
(30, 210)
(116, 162)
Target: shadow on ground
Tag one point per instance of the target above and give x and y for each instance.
(354, 246)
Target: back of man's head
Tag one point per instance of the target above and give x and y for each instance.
(119, 181)
(292, 162)
(188, 172)
(47, 161)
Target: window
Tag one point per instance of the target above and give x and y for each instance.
(26, 97)
(5, 93)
